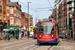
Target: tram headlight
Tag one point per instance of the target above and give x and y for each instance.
(39, 35)
(52, 35)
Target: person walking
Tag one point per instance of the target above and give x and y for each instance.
(21, 35)
(6, 36)
(9, 36)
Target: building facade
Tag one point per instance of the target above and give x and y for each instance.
(60, 14)
(3, 22)
(70, 6)
(24, 21)
(30, 19)
(13, 14)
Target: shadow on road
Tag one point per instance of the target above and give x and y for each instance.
(46, 44)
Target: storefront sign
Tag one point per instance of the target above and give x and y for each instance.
(11, 28)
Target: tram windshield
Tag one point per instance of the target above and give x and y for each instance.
(46, 28)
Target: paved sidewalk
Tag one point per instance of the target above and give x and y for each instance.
(71, 40)
(3, 41)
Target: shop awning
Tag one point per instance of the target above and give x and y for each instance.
(10, 29)
(22, 30)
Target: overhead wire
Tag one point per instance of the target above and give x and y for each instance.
(37, 8)
(44, 8)
(29, 8)
(50, 4)
(26, 6)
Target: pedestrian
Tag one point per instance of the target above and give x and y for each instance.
(21, 35)
(9, 36)
(28, 34)
(6, 36)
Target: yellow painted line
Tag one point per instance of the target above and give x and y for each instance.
(61, 45)
(73, 48)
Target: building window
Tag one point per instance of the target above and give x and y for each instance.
(63, 14)
(54, 14)
(11, 20)
(58, 12)
(54, 10)
(72, 4)
(7, 7)
(30, 20)
(55, 19)
(11, 10)
(59, 16)
(63, 8)
(63, 3)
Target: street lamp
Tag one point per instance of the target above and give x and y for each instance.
(28, 19)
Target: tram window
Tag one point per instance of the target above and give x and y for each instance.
(41, 30)
(36, 31)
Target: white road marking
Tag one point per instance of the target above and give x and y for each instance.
(27, 47)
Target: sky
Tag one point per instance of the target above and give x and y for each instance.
(36, 5)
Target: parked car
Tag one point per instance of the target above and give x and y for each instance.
(62, 35)
(31, 35)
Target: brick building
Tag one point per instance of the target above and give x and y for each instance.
(24, 20)
(31, 19)
(60, 13)
(3, 22)
(13, 13)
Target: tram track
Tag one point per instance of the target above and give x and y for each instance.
(50, 47)
(14, 43)
(36, 47)
(22, 46)
(13, 47)
(40, 46)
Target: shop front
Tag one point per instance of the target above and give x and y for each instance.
(3, 25)
(12, 32)
(23, 31)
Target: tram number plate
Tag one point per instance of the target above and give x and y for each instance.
(46, 41)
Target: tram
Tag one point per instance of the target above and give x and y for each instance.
(35, 32)
(47, 31)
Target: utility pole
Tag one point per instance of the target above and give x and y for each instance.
(28, 20)
(36, 21)
(68, 21)
(57, 22)
(74, 19)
